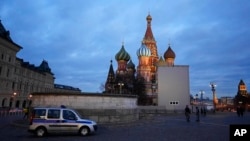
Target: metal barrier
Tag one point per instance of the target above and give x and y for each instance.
(11, 112)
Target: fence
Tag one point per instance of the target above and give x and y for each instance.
(5, 112)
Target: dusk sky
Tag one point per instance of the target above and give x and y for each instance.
(78, 38)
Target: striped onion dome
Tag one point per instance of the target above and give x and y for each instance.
(122, 55)
(143, 51)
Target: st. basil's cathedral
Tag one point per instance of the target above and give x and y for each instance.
(127, 79)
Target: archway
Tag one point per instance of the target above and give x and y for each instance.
(17, 104)
(24, 104)
(3, 102)
(11, 101)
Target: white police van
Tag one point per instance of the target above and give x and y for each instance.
(59, 120)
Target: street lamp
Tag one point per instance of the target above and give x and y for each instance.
(202, 92)
(12, 99)
(196, 97)
(29, 98)
(212, 85)
(120, 84)
(153, 93)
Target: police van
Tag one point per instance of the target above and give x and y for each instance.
(59, 120)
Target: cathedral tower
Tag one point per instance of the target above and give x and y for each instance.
(169, 56)
(150, 42)
(122, 57)
(110, 82)
(144, 67)
(242, 89)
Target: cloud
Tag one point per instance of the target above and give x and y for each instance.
(78, 38)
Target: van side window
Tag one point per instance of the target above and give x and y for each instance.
(39, 112)
(53, 113)
(69, 115)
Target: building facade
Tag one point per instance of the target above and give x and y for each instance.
(19, 79)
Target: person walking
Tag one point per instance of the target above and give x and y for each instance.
(204, 111)
(238, 111)
(197, 114)
(187, 113)
(26, 113)
(242, 111)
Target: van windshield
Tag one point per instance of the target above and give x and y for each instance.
(79, 115)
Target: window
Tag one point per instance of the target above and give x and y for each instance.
(53, 113)
(69, 115)
(174, 102)
(8, 72)
(39, 112)
(13, 85)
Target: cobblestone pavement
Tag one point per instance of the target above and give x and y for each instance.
(173, 127)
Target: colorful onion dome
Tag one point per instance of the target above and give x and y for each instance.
(122, 54)
(143, 51)
(169, 53)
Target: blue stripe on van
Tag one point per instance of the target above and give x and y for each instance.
(86, 122)
(56, 121)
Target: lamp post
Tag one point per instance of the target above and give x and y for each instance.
(153, 94)
(12, 99)
(212, 85)
(30, 96)
(196, 97)
(120, 84)
(202, 92)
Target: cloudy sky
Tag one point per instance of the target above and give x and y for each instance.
(78, 38)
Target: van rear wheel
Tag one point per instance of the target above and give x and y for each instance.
(40, 132)
(84, 131)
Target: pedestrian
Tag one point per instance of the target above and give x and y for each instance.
(204, 111)
(241, 111)
(238, 111)
(197, 114)
(26, 112)
(187, 113)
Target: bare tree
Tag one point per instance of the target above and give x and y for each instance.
(102, 87)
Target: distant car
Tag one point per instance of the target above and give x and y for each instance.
(59, 120)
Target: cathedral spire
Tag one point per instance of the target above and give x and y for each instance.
(149, 33)
(150, 42)
(109, 85)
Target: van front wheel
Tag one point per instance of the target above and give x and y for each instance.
(40, 132)
(84, 131)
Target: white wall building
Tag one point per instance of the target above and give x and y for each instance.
(173, 83)
(173, 87)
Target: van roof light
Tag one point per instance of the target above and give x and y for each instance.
(63, 106)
